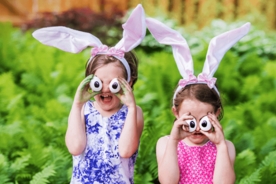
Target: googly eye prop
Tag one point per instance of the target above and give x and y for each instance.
(96, 85)
(114, 86)
(204, 124)
(218, 46)
(70, 40)
(192, 125)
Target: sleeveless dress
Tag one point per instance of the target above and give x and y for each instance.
(196, 163)
(100, 162)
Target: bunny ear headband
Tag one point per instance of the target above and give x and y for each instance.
(218, 46)
(74, 41)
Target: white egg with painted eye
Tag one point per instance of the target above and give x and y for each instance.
(192, 124)
(114, 86)
(205, 124)
(96, 84)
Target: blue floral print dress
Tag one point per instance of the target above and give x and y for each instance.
(100, 162)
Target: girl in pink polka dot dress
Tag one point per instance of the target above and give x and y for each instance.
(196, 151)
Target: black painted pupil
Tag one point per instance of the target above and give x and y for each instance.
(96, 84)
(115, 85)
(192, 124)
(204, 124)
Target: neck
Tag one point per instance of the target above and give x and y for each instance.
(105, 113)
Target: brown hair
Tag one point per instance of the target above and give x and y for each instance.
(101, 60)
(202, 93)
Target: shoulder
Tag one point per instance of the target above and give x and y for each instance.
(162, 143)
(161, 146)
(140, 115)
(139, 109)
(230, 146)
(231, 150)
(140, 119)
(163, 139)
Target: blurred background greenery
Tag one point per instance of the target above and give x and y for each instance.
(38, 83)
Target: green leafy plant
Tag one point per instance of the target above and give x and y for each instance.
(38, 83)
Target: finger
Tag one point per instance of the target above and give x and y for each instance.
(215, 128)
(204, 133)
(88, 78)
(93, 93)
(207, 134)
(181, 122)
(118, 95)
(186, 128)
(83, 86)
(182, 125)
(213, 119)
(122, 80)
(210, 135)
(125, 85)
(85, 81)
(186, 116)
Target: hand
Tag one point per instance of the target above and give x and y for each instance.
(216, 135)
(84, 92)
(180, 128)
(126, 95)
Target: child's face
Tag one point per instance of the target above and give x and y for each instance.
(106, 100)
(198, 110)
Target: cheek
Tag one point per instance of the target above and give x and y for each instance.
(96, 97)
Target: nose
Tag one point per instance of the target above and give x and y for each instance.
(105, 88)
(197, 127)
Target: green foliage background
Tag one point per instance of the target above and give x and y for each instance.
(38, 83)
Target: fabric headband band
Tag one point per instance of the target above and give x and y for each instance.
(118, 54)
(182, 85)
(201, 79)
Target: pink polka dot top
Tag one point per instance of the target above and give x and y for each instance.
(196, 163)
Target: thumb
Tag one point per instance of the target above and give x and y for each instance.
(205, 133)
(118, 95)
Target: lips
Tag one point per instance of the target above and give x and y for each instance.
(197, 134)
(106, 97)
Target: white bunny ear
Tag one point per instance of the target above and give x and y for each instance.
(66, 39)
(165, 35)
(134, 30)
(219, 45)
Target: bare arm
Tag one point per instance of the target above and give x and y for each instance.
(168, 169)
(224, 167)
(131, 133)
(134, 123)
(166, 151)
(75, 137)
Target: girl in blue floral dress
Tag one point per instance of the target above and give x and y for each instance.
(103, 134)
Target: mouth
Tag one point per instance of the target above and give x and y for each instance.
(198, 133)
(106, 97)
